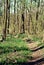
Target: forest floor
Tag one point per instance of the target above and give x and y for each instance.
(37, 48)
(22, 50)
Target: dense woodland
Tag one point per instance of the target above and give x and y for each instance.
(21, 22)
(22, 16)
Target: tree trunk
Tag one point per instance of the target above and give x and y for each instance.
(37, 13)
(14, 13)
(5, 26)
(8, 15)
(23, 29)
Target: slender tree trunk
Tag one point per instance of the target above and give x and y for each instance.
(23, 25)
(5, 26)
(19, 19)
(14, 13)
(37, 13)
(8, 15)
(23, 29)
(4, 13)
(30, 19)
(16, 17)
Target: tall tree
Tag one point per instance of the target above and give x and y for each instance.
(14, 13)
(5, 25)
(37, 13)
(23, 10)
(8, 15)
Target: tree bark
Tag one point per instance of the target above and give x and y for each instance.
(37, 13)
(8, 15)
(5, 26)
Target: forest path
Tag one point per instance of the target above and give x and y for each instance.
(38, 52)
(33, 45)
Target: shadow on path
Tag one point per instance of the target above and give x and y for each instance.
(38, 48)
(25, 63)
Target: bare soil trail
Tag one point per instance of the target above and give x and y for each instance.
(38, 53)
